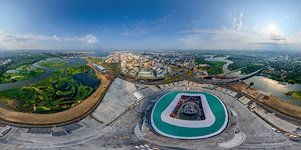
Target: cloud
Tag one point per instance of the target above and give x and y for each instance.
(228, 38)
(7, 37)
(236, 36)
(18, 38)
(215, 39)
(237, 22)
(278, 38)
(90, 39)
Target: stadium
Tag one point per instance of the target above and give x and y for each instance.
(189, 115)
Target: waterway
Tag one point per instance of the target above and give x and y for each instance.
(263, 84)
(272, 87)
(225, 68)
(46, 74)
(101, 53)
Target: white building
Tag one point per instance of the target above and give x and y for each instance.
(146, 73)
(160, 73)
(100, 68)
(12, 71)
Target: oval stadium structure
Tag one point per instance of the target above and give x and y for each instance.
(189, 115)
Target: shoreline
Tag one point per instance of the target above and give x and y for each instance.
(294, 94)
(271, 101)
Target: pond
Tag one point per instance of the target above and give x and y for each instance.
(88, 79)
(75, 61)
(272, 87)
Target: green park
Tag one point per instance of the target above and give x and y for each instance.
(65, 87)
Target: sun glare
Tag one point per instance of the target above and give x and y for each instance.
(271, 28)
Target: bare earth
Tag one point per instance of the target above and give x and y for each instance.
(245, 89)
(282, 106)
(271, 101)
(75, 113)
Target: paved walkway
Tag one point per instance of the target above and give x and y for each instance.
(238, 139)
(274, 120)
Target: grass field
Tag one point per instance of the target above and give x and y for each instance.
(294, 94)
(56, 93)
(54, 63)
(215, 67)
(248, 64)
(95, 59)
(22, 73)
(112, 67)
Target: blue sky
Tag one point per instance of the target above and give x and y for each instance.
(150, 24)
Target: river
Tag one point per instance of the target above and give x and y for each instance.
(101, 53)
(272, 87)
(46, 74)
(225, 68)
(263, 84)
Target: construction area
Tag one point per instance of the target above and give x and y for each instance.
(120, 122)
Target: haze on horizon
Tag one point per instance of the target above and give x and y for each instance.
(150, 24)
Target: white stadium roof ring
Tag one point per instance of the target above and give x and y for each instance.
(212, 114)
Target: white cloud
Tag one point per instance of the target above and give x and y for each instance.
(90, 39)
(236, 37)
(215, 39)
(237, 22)
(232, 38)
(7, 37)
(19, 38)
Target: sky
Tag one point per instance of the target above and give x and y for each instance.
(150, 24)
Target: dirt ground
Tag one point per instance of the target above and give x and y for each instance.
(245, 89)
(281, 106)
(271, 101)
(75, 113)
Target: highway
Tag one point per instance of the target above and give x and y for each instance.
(218, 81)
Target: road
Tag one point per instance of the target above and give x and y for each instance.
(245, 76)
(217, 81)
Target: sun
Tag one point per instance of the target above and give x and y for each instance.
(271, 28)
